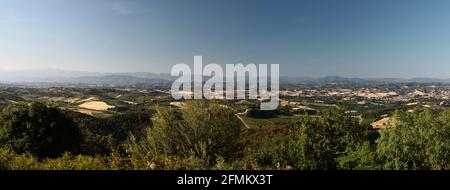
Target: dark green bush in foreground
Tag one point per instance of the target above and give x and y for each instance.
(39, 130)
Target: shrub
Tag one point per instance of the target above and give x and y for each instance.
(37, 129)
(201, 129)
(416, 141)
(9, 160)
(363, 157)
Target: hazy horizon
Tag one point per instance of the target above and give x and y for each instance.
(308, 38)
(65, 73)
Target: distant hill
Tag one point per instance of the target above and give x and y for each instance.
(78, 77)
(121, 80)
(344, 80)
(130, 78)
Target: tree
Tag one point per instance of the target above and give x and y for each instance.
(363, 157)
(416, 141)
(317, 142)
(201, 129)
(38, 129)
(313, 145)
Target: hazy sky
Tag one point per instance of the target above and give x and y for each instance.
(362, 38)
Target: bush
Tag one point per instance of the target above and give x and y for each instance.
(416, 141)
(9, 160)
(312, 143)
(317, 142)
(201, 129)
(270, 154)
(37, 129)
(363, 157)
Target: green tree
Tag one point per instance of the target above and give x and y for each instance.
(317, 142)
(313, 145)
(38, 129)
(416, 141)
(363, 157)
(202, 129)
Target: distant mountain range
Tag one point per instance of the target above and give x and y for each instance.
(338, 79)
(129, 78)
(79, 77)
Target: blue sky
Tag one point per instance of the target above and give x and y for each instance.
(355, 38)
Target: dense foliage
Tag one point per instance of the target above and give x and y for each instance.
(201, 130)
(39, 130)
(417, 141)
(206, 135)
